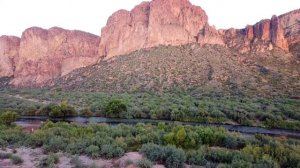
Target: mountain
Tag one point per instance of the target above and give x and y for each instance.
(41, 57)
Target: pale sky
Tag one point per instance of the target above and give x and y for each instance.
(91, 15)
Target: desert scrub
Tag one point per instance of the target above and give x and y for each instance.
(49, 161)
(5, 155)
(111, 151)
(171, 156)
(77, 163)
(16, 160)
(144, 163)
(93, 151)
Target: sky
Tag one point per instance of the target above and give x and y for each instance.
(91, 15)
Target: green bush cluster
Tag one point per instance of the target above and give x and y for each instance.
(8, 117)
(58, 110)
(114, 108)
(171, 156)
(170, 144)
(180, 106)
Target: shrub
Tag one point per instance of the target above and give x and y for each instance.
(16, 160)
(233, 142)
(175, 158)
(220, 156)
(58, 110)
(78, 163)
(144, 163)
(49, 161)
(56, 144)
(93, 151)
(3, 143)
(197, 157)
(128, 162)
(110, 151)
(114, 108)
(86, 112)
(241, 163)
(170, 155)
(8, 117)
(153, 152)
(5, 155)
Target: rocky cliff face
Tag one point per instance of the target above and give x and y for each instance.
(160, 22)
(42, 55)
(264, 35)
(9, 51)
(47, 54)
(177, 22)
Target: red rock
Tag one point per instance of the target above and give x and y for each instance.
(9, 51)
(43, 55)
(159, 22)
(249, 32)
(291, 25)
(262, 36)
(47, 54)
(277, 34)
(209, 35)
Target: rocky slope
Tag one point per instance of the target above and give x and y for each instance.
(190, 67)
(40, 55)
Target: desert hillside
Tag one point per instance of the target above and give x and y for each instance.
(191, 67)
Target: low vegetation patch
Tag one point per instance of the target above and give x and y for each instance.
(170, 144)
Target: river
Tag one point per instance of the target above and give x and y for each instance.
(31, 123)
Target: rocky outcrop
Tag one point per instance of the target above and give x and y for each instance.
(291, 25)
(209, 35)
(177, 22)
(9, 51)
(47, 54)
(159, 22)
(42, 55)
(264, 35)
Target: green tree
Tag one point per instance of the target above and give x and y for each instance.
(61, 110)
(67, 110)
(8, 117)
(114, 108)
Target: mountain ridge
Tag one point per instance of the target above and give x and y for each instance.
(40, 55)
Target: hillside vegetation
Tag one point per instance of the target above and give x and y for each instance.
(191, 67)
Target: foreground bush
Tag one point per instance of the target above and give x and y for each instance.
(197, 157)
(110, 151)
(201, 146)
(16, 160)
(170, 155)
(144, 163)
(5, 155)
(49, 161)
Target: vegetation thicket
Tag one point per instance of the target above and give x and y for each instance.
(170, 144)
